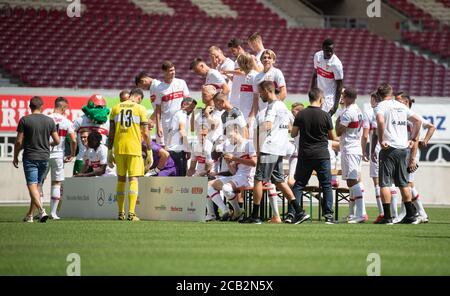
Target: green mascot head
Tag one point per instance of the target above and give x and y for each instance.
(96, 109)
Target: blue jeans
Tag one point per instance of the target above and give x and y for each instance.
(303, 173)
(35, 170)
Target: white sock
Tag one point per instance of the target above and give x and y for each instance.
(217, 199)
(418, 202)
(229, 194)
(54, 199)
(402, 212)
(273, 200)
(209, 207)
(378, 198)
(394, 201)
(358, 196)
(351, 204)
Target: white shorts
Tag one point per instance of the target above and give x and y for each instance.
(351, 166)
(374, 166)
(328, 103)
(238, 180)
(292, 166)
(56, 167)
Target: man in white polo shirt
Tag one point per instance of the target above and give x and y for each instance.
(328, 76)
(169, 95)
(392, 126)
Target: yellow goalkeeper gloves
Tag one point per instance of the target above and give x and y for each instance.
(149, 159)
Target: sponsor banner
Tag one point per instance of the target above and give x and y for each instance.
(173, 198)
(439, 116)
(13, 107)
(160, 198)
(90, 198)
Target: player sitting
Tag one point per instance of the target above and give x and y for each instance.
(240, 156)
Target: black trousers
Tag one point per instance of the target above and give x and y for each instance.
(179, 158)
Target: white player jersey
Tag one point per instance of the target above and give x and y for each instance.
(275, 75)
(231, 119)
(245, 150)
(96, 158)
(227, 65)
(370, 122)
(170, 96)
(202, 154)
(153, 88)
(214, 125)
(246, 93)
(350, 140)
(395, 122)
(175, 142)
(276, 140)
(236, 87)
(63, 127)
(215, 79)
(328, 71)
(83, 122)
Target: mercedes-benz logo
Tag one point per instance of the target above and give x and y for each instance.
(100, 197)
(440, 157)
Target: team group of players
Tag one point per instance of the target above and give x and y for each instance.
(242, 135)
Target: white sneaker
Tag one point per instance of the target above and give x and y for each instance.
(398, 219)
(54, 217)
(43, 216)
(210, 218)
(423, 219)
(348, 218)
(357, 220)
(28, 219)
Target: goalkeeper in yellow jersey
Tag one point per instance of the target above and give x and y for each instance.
(128, 121)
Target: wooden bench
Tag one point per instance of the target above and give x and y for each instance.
(265, 211)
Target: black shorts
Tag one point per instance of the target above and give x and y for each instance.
(269, 168)
(393, 167)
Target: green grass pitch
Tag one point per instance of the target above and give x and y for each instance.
(185, 248)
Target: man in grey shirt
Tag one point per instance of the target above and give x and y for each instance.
(33, 136)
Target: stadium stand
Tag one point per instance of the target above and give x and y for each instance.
(215, 8)
(433, 17)
(154, 7)
(114, 41)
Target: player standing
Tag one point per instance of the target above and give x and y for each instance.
(413, 157)
(272, 138)
(392, 130)
(129, 124)
(369, 132)
(328, 76)
(57, 160)
(169, 95)
(270, 73)
(349, 127)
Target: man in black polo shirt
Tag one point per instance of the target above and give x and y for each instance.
(315, 128)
